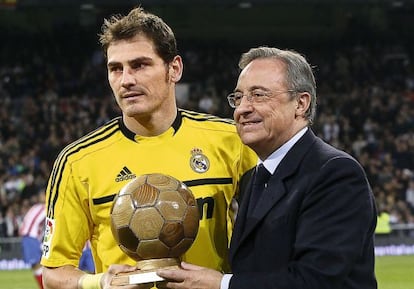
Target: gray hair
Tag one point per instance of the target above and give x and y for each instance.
(299, 74)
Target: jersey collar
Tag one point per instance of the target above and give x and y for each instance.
(129, 134)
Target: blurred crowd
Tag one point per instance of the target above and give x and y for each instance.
(52, 94)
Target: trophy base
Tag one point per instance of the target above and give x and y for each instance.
(146, 273)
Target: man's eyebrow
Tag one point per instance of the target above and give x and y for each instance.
(135, 60)
(254, 87)
(141, 59)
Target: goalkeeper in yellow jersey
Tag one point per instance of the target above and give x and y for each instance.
(151, 136)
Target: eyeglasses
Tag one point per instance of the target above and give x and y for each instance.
(254, 96)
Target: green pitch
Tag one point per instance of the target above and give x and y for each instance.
(393, 272)
(17, 279)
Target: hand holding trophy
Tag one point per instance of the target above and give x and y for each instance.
(154, 219)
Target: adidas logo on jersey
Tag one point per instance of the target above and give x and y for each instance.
(125, 174)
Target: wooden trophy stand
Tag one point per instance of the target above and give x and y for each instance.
(146, 273)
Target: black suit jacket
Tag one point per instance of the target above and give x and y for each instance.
(313, 227)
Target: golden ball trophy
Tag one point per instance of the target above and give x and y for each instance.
(154, 220)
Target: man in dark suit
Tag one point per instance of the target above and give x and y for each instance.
(313, 224)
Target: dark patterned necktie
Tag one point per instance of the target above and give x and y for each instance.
(260, 178)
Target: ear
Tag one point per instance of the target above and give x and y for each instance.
(175, 69)
(303, 100)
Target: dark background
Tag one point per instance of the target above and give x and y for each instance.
(290, 23)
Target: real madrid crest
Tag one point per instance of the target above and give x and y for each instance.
(198, 161)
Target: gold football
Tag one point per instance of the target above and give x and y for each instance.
(154, 216)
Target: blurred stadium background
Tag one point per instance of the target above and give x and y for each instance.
(53, 86)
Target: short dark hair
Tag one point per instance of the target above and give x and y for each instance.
(138, 22)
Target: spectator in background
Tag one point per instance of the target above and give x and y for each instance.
(409, 194)
(383, 229)
(31, 232)
(11, 220)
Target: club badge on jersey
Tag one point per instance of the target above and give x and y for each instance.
(198, 161)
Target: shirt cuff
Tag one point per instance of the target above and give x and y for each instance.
(225, 281)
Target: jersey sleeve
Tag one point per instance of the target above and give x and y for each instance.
(68, 219)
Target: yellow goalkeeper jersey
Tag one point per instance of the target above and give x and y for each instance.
(201, 150)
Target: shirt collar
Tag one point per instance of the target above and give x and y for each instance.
(273, 161)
